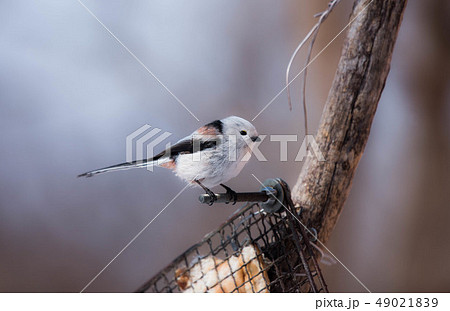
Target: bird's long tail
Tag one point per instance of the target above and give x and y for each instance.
(122, 166)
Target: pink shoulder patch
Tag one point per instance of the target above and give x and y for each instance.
(170, 165)
(207, 130)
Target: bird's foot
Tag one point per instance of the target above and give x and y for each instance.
(212, 196)
(231, 194)
(208, 192)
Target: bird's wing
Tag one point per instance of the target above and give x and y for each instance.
(186, 145)
(191, 144)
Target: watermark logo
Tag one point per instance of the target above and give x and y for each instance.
(308, 148)
(141, 143)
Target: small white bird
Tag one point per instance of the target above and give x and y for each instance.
(210, 156)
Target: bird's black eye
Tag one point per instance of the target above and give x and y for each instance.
(243, 133)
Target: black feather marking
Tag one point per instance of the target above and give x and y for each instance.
(183, 147)
(186, 146)
(218, 125)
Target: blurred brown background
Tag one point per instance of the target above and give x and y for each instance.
(70, 94)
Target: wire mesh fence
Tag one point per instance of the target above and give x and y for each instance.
(253, 252)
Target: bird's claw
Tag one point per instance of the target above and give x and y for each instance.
(212, 196)
(231, 194)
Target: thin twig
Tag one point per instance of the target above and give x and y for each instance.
(313, 35)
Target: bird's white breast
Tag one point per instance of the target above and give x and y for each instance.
(212, 166)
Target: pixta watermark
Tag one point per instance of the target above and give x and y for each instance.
(145, 143)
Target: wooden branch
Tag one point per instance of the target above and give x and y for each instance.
(323, 187)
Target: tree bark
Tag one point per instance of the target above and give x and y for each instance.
(323, 186)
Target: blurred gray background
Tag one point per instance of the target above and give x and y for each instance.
(70, 94)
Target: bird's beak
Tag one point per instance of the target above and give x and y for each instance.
(255, 138)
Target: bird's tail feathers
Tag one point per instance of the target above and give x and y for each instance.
(123, 166)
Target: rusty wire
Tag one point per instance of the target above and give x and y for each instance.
(253, 251)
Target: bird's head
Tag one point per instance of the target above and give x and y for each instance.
(242, 129)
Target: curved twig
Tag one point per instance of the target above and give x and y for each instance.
(313, 35)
